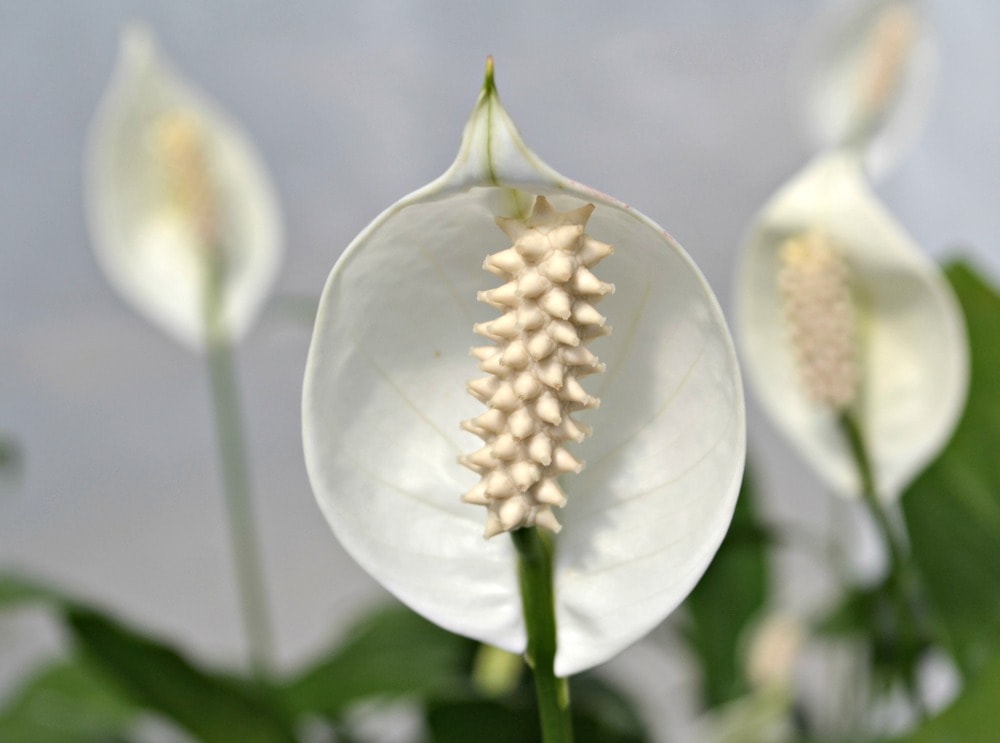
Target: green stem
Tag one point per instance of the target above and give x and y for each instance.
(902, 578)
(856, 441)
(535, 573)
(236, 483)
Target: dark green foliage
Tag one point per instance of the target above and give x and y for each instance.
(953, 510)
(729, 596)
(153, 675)
(390, 653)
(599, 715)
(972, 718)
(67, 700)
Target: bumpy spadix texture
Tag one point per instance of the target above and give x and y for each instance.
(534, 367)
(177, 198)
(866, 73)
(839, 309)
(819, 310)
(385, 392)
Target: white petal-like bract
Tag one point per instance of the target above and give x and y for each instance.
(385, 393)
(865, 75)
(175, 192)
(912, 353)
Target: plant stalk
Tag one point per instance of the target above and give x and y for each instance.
(903, 579)
(236, 481)
(535, 574)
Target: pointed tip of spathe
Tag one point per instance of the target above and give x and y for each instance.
(137, 40)
(489, 84)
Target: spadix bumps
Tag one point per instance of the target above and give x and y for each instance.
(535, 365)
(815, 286)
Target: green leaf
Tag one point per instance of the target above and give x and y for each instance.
(972, 718)
(211, 707)
(65, 701)
(395, 652)
(11, 459)
(868, 614)
(154, 676)
(391, 653)
(729, 595)
(484, 721)
(16, 592)
(953, 510)
(600, 713)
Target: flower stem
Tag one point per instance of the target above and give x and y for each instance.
(856, 441)
(535, 573)
(236, 484)
(902, 580)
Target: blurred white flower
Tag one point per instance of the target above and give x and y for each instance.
(773, 651)
(766, 713)
(759, 717)
(180, 209)
(865, 74)
(839, 311)
(385, 392)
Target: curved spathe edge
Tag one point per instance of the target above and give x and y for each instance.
(505, 170)
(574, 655)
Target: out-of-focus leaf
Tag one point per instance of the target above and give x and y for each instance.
(156, 677)
(211, 707)
(972, 718)
(10, 457)
(869, 615)
(729, 595)
(16, 592)
(395, 652)
(482, 720)
(66, 701)
(599, 714)
(391, 653)
(953, 510)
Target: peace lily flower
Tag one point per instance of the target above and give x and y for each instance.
(180, 207)
(642, 502)
(865, 76)
(840, 312)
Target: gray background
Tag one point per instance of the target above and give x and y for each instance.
(680, 108)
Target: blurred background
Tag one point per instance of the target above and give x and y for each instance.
(680, 108)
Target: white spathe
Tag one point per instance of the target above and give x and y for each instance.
(385, 394)
(162, 160)
(912, 347)
(865, 75)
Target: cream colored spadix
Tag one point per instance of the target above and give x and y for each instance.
(535, 365)
(865, 74)
(820, 314)
(386, 391)
(840, 311)
(177, 198)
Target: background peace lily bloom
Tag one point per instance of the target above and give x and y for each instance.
(865, 75)
(907, 350)
(385, 392)
(178, 198)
